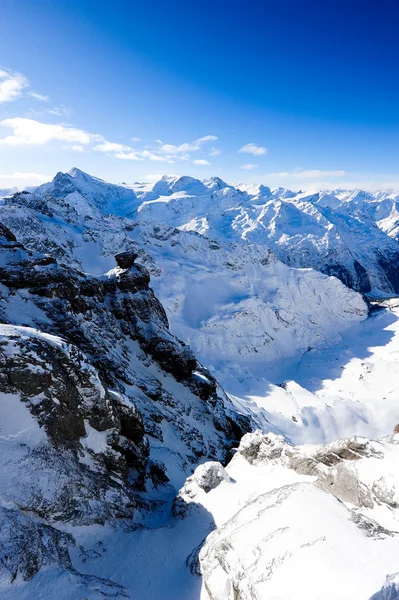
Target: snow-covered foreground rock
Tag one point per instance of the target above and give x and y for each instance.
(302, 522)
(280, 521)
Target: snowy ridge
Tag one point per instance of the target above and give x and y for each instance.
(299, 513)
(325, 231)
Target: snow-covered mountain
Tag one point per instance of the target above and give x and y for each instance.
(112, 300)
(232, 300)
(8, 191)
(334, 232)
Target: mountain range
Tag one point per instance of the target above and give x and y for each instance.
(181, 357)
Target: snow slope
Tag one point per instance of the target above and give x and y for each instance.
(343, 389)
(314, 522)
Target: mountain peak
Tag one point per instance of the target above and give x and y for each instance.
(215, 183)
(75, 172)
(79, 174)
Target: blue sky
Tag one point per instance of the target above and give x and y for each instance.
(297, 93)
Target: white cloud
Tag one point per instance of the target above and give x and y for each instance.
(254, 149)
(111, 147)
(128, 155)
(183, 149)
(168, 153)
(30, 132)
(249, 167)
(61, 111)
(25, 177)
(40, 97)
(136, 139)
(201, 161)
(309, 174)
(146, 154)
(34, 133)
(11, 86)
(142, 155)
(215, 152)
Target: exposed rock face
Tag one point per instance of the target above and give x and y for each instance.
(64, 393)
(390, 589)
(100, 315)
(31, 546)
(91, 379)
(6, 234)
(333, 465)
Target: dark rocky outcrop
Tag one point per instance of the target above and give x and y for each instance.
(92, 361)
(125, 260)
(101, 317)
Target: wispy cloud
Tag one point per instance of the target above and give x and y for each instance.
(40, 97)
(136, 139)
(142, 155)
(249, 167)
(13, 177)
(187, 147)
(162, 152)
(309, 173)
(128, 155)
(61, 111)
(12, 85)
(28, 132)
(215, 152)
(254, 149)
(111, 147)
(201, 162)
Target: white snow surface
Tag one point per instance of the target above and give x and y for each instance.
(278, 535)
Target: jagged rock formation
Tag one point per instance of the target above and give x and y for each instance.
(96, 396)
(390, 589)
(104, 317)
